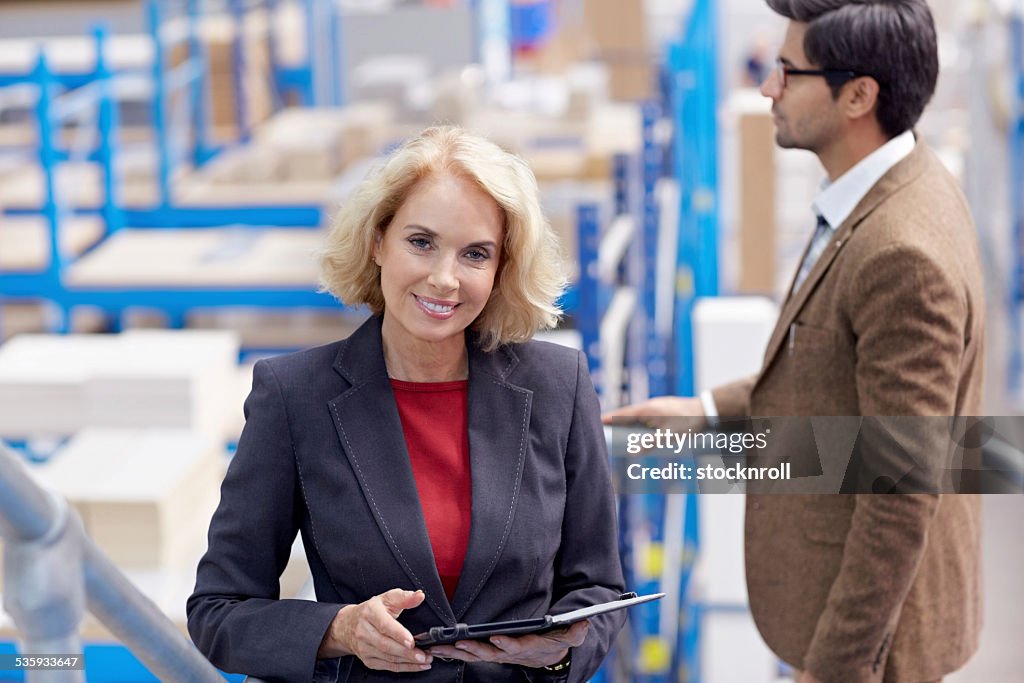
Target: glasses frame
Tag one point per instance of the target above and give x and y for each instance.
(834, 77)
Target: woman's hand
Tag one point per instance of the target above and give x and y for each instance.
(531, 650)
(371, 632)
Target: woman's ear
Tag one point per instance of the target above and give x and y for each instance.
(377, 237)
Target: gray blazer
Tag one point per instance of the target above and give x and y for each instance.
(323, 454)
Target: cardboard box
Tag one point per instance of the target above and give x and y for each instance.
(145, 496)
(756, 194)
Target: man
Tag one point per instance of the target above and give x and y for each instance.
(885, 318)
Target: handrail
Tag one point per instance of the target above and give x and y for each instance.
(53, 567)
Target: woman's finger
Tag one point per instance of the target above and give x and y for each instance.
(385, 665)
(572, 637)
(484, 652)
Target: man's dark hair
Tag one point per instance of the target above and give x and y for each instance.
(892, 41)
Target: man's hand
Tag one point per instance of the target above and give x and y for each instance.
(371, 632)
(532, 651)
(676, 412)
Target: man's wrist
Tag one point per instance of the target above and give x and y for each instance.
(707, 403)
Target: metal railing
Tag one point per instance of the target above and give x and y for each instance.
(53, 573)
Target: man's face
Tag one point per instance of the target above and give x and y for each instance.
(804, 113)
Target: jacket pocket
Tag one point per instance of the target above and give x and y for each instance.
(811, 339)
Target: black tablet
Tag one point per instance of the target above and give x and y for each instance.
(445, 635)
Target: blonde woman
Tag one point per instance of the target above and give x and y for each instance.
(440, 466)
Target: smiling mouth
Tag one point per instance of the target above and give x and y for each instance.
(435, 307)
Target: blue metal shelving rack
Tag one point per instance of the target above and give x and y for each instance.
(189, 80)
(54, 108)
(57, 106)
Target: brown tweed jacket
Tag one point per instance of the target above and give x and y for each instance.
(889, 322)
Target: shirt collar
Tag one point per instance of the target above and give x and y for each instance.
(838, 199)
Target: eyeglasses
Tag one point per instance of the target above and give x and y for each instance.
(835, 77)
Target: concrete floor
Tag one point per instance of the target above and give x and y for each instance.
(1000, 659)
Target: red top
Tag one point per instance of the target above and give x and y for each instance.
(434, 420)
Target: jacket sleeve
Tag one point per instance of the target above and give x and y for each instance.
(235, 616)
(733, 399)
(909, 318)
(587, 566)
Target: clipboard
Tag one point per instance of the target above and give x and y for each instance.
(446, 635)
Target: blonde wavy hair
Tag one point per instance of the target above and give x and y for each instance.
(530, 275)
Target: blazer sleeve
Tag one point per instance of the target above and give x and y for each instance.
(587, 567)
(910, 320)
(235, 616)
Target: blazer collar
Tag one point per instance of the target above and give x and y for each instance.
(370, 430)
(898, 176)
(361, 357)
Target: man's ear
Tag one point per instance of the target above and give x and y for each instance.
(860, 97)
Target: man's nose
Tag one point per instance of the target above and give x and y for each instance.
(771, 86)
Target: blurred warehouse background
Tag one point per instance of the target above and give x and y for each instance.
(167, 169)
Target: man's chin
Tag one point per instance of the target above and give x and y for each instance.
(784, 142)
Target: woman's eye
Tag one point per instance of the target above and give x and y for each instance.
(477, 255)
(419, 242)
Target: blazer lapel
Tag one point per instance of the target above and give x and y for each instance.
(499, 422)
(371, 435)
(796, 300)
(898, 176)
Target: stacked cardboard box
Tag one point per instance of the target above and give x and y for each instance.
(757, 187)
(297, 154)
(145, 496)
(25, 240)
(619, 39)
(59, 385)
(218, 36)
(217, 257)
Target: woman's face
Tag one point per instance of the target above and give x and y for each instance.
(438, 258)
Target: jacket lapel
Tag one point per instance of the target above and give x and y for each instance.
(370, 430)
(898, 176)
(499, 421)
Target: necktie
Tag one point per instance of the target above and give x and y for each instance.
(822, 234)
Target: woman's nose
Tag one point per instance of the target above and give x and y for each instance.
(442, 276)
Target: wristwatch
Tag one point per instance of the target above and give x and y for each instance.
(557, 672)
(552, 673)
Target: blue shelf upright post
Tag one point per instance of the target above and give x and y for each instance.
(655, 350)
(51, 209)
(202, 148)
(694, 100)
(108, 149)
(1016, 368)
(239, 62)
(332, 56)
(692, 86)
(588, 314)
(159, 108)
